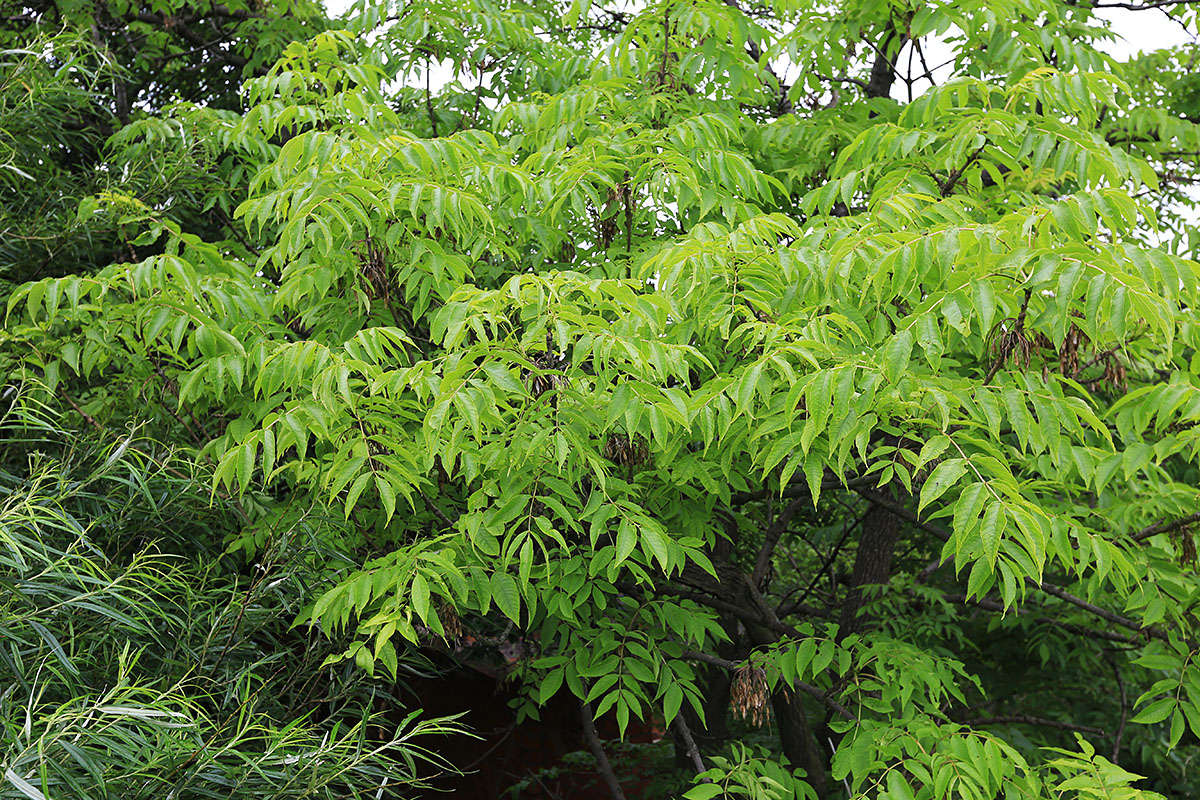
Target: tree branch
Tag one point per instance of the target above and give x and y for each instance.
(1144, 6)
(883, 71)
(771, 540)
(1048, 588)
(437, 512)
(1166, 527)
(772, 622)
(843, 79)
(783, 610)
(1116, 750)
(887, 503)
(597, 748)
(988, 604)
(953, 178)
(799, 488)
(1025, 719)
(693, 752)
(429, 100)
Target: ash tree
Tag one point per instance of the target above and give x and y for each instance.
(818, 379)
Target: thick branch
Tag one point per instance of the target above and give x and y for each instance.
(887, 503)
(883, 71)
(872, 565)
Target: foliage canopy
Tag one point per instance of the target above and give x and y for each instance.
(707, 349)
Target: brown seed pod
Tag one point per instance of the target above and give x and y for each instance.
(1068, 354)
(373, 266)
(548, 374)
(1008, 341)
(1114, 373)
(618, 204)
(750, 695)
(626, 451)
(451, 624)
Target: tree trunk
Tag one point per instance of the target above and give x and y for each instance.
(796, 737)
(872, 565)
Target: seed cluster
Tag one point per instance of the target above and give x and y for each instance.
(750, 694)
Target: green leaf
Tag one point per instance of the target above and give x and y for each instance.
(356, 490)
(626, 540)
(420, 596)
(944, 475)
(1155, 712)
(387, 495)
(506, 595)
(897, 355)
(990, 531)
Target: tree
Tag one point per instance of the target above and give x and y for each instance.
(730, 397)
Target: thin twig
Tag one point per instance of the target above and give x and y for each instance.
(953, 178)
(429, 100)
(1048, 588)
(773, 535)
(1144, 6)
(437, 512)
(842, 79)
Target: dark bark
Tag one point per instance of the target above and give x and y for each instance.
(883, 70)
(872, 565)
(594, 744)
(799, 744)
(778, 527)
(691, 750)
